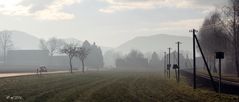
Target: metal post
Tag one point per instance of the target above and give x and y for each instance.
(169, 61)
(220, 55)
(194, 58)
(178, 61)
(220, 77)
(165, 63)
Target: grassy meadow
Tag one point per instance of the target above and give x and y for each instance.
(108, 86)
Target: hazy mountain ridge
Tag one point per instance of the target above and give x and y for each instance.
(25, 41)
(158, 42)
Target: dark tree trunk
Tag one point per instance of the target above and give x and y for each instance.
(236, 54)
(236, 62)
(4, 56)
(237, 51)
(235, 38)
(237, 68)
(70, 65)
(83, 66)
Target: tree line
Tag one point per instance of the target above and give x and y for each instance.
(137, 60)
(90, 55)
(134, 60)
(220, 32)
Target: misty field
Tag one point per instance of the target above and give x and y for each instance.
(104, 87)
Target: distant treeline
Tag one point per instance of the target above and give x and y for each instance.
(133, 60)
(51, 54)
(137, 60)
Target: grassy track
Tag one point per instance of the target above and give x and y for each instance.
(104, 87)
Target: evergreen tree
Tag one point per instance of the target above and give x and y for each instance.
(154, 62)
(95, 58)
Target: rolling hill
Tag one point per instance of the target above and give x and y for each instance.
(24, 41)
(157, 43)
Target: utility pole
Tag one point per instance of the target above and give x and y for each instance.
(194, 57)
(165, 63)
(178, 43)
(220, 77)
(169, 65)
(195, 40)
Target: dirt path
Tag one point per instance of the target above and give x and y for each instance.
(4, 75)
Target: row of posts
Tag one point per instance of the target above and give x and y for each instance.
(176, 67)
(167, 64)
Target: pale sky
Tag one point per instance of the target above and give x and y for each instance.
(107, 22)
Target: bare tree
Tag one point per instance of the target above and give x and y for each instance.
(53, 45)
(230, 21)
(82, 53)
(213, 38)
(70, 50)
(220, 33)
(5, 42)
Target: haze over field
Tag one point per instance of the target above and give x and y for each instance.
(109, 23)
(142, 43)
(155, 43)
(119, 50)
(112, 27)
